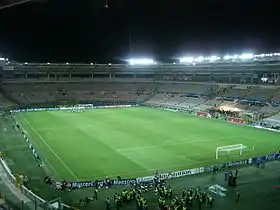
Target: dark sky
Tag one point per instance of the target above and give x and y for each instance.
(84, 31)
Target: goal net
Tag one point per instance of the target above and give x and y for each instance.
(78, 108)
(229, 148)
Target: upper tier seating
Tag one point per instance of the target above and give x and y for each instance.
(185, 88)
(236, 92)
(50, 92)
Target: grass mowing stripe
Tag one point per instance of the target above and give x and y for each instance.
(44, 158)
(49, 147)
(138, 141)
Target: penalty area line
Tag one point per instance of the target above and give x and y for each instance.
(49, 147)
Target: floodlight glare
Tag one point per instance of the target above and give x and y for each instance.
(186, 60)
(199, 59)
(2, 59)
(227, 57)
(141, 61)
(214, 58)
(246, 56)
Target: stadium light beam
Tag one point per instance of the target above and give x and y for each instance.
(227, 57)
(214, 58)
(186, 60)
(199, 59)
(141, 61)
(246, 56)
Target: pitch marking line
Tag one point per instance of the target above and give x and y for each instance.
(49, 147)
(165, 143)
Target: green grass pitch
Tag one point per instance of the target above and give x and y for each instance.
(133, 142)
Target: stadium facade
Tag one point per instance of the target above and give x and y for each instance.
(221, 72)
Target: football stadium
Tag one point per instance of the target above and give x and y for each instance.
(72, 133)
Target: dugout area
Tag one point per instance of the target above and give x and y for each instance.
(148, 133)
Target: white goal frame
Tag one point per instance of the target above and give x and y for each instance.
(230, 148)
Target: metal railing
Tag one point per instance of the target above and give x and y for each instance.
(36, 201)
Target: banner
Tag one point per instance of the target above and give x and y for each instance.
(240, 121)
(86, 106)
(275, 156)
(8, 68)
(203, 114)
(223, 165)
(98, 183)
(171, 175)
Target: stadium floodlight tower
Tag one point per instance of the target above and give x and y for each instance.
(230, 148)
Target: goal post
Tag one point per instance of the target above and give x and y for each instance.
(230, 148)
(81, 107)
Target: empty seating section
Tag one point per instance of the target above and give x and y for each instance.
(276, 95)
(236, 92)
(168, 94)
(266, 109)
(275, 120)
(174, 100)
(185, 88)
(158, 99)
(208, 104)
(191, 102)
(50, 92)
(261, 94)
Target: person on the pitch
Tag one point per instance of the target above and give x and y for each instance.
(95, 194)
(237, 195)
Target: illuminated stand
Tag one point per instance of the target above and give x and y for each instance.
(227, 58)
(141, 61)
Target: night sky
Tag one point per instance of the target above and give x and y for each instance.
(85, 31)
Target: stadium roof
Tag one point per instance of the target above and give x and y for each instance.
(229, 59)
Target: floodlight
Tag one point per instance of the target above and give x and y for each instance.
(67, 63)
(246, 56)
(227, 57)
(199, 59)
(235, 56)
(91, 63)
(48, 63)
(186, 60)
(141, 61)
(2, 59)
(109, 64)
(214, 58)
(25, 63)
